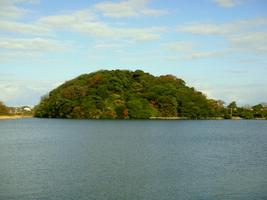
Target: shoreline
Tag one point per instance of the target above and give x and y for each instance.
(4, 117)
(212, 118)
(10, 117)
(158, 118)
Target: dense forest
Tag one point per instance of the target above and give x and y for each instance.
(123, 94)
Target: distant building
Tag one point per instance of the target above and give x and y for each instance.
(26, 108)
(20, 110)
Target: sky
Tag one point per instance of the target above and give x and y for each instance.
(216, 46)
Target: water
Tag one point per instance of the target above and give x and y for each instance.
(49, 159)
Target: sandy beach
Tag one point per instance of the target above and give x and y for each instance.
(14, 116)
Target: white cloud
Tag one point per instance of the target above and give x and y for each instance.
(154, 12)
(86, 23)
(23, 28)
(188, 51)
(10, 8)
(104, 46)
(222, 29)
(25, 1)
(181, 46)
(194, 55)
(242, 35)
(67, 19)
(18, 55)
(99, 29)
(242, 93)
(34, 44)
(47, 25)
(203, 54)
(228, 3)
(256, 41)
(15, 91)
(127, 8)
(205, 29)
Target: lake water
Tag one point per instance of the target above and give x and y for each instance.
(50, 159)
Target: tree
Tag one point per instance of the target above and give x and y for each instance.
(139, 108)
(3, 109)
(167, 106)
(232, 107)
(258, 111)
(257, 107)
(121, 111)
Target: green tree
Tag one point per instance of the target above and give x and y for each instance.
(232, 108)
(139, 108)
(258, 111)
(167, 106)
(3, 109)
(121, 111)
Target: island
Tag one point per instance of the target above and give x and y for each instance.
(124, 94)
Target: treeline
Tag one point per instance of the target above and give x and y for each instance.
(23, 110)
(258, 111)
(123, 94)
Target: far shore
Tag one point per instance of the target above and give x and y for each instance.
(186, 118)
(6, 117)
(14, 116)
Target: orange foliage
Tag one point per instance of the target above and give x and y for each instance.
(95, 79)
(125, 112)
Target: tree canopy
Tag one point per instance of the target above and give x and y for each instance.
(3, 109)
(124, 94)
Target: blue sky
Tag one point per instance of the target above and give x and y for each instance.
(217, 46)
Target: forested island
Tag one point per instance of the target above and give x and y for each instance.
(124, 94)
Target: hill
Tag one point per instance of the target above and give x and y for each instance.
(123, 94)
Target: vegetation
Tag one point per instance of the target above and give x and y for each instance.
(123, 94)
(3, 109)
(15, 111)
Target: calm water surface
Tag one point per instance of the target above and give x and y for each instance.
(49, 159)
